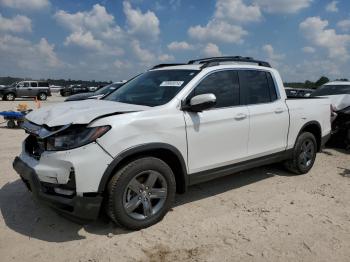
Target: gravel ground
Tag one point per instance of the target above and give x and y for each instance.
(262, 214)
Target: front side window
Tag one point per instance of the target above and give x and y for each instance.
(153, 88)
(255, 86)
(328, 90)
(224, 85)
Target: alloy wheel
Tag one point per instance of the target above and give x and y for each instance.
(307, 152)
(145, 195)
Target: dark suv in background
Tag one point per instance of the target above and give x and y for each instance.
(74, 89)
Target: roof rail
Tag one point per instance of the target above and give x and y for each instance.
(165, 65)
(213, 61)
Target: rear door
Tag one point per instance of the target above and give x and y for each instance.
(33, 89)
(268, 114)
(219, 136)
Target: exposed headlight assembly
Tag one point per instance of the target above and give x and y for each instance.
(75, 136)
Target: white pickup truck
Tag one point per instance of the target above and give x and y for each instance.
(171, 127)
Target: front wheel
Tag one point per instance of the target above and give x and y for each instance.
(304, 154)
(141, 193)
(10, 97)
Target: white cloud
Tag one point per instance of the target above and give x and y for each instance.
(95, 29)
(308, 49)
(224, 27)
(165, 58)
(26, 4)
(272, 57)
(315, 30)
(283, 6)
(216, 31)
(17, 24)
(211, 50)
(344, 25)
(141, 54)
(174, 46)
(141, 24)
(85, 40)
(237, 11)
(23, 55)
(47, 50)
(332, 7)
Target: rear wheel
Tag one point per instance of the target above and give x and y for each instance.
(42, 96)
(304, 154)
(10, 97)
(141, 193)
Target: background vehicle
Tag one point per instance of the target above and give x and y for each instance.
(298, 92)
(173, 126)
(339, 94)
(39, 89)
(97, 94)
(55, 88)
(74, 89)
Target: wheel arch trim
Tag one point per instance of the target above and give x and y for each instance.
(136, 150)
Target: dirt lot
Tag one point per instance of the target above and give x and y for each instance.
(259, 215)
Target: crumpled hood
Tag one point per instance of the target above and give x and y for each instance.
(340, 101)
(79, 112)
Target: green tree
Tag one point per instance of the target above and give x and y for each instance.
(321, 81)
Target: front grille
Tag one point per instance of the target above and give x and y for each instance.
(34, 146)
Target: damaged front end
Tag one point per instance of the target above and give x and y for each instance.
(55, 163)
(341, 129)
(63, 137)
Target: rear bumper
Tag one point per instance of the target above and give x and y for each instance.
(81, 208)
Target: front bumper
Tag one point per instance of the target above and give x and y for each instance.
(81, 208)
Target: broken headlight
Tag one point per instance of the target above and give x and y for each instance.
(75, 136)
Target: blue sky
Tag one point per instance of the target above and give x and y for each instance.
(114, 40)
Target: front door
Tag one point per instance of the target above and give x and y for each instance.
(219, 136)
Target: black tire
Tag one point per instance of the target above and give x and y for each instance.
(10, 97)
(119, 189)
(302, 162)
(11, 124)
(42, 96)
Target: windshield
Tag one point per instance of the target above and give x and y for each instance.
(14, 84)
(153, 88)
(108, 88)
(328, 90)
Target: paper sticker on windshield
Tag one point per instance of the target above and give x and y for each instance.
(172, 83)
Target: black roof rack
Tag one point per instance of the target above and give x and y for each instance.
(165, 65)
(212, 61)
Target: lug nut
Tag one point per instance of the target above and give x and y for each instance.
(140, 198)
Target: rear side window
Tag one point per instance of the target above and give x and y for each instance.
(224, 85)
(43, 84)
(272, 86)
(33, 84)
(256, 87)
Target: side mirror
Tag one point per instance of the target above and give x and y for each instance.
(200, 103)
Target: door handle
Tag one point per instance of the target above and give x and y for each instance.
(240, 116)
(279, 110)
